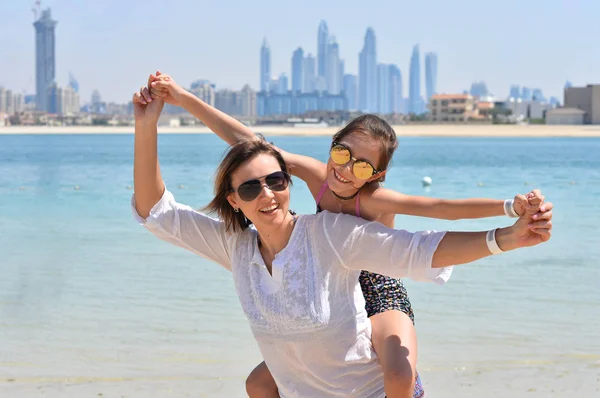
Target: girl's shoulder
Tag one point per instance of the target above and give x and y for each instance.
(369, 208)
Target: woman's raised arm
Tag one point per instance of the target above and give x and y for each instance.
(147, 180)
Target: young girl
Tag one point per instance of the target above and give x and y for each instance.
(350, 183)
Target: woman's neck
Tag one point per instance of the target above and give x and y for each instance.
(274, 238)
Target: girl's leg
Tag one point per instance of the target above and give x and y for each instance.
(395, 341)
(394, 337)
(260, 383)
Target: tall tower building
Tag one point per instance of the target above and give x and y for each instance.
(350, 84)
(367, 74)
(397, 99)
(45, 58)
(431, 69)
(414, 82)
(310, 76)
(73, 83)
(479, 89)
(322, 49)
(384, 92)
(515, 91)
(298, 70)
(265, 66)
(334, 78)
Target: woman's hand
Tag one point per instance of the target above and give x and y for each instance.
(520, 201)
(163, 87)
(146, 110)
(532, 228)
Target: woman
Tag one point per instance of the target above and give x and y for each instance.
(352, 187)
(297, 277)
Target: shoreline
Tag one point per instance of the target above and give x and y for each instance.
(409, 130)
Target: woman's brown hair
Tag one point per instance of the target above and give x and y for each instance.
(237, 155)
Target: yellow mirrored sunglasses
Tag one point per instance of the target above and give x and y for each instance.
(341, 154)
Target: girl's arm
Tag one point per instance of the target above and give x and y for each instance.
(310, 170)
(398, 253)
(226, 127)
(392, 202)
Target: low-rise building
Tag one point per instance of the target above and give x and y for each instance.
(572, 116)
(452, 107)
(587, 99)
(484, 109)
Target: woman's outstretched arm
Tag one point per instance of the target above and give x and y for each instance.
(400, 253)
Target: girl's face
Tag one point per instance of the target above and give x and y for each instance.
(364, 151)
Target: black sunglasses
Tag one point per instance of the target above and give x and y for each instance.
(249, 190)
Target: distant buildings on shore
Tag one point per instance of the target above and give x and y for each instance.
(319, 88)
(582, 106)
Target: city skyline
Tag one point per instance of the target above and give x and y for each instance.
(126, 57)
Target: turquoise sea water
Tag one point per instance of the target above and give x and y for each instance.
(89, 298)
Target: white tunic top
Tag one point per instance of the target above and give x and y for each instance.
(309, 317)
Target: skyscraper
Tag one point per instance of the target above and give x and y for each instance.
(310, 77)
(96, 98)
(367, 74)
(414, 82)
(298, 70)
(538, 95)
(247, 101)
(281, 84)
(384, 93)
(96, 105)
(514, 92)
(479, 89)
(54, 99)
(322, 47)
(397, 99)
(45, 58)
(431, 66)
(333, 79)
(351, 91)
(73, 83)
(265, 66)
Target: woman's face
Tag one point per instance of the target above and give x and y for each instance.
(270, 206)
(341, 178)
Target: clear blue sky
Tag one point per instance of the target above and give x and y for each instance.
(112, 45)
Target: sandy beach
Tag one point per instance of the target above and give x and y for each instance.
(425, 130)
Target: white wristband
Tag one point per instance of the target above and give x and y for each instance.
(509, 208)
(492, 244)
